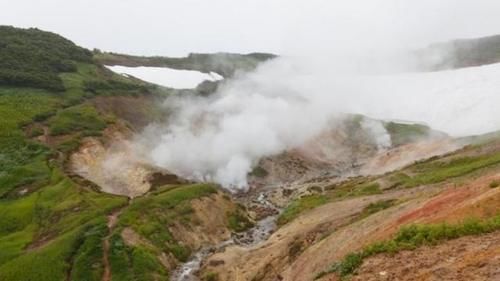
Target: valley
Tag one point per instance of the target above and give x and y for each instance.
(82, 197)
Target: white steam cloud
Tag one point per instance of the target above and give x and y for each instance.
(354, 65)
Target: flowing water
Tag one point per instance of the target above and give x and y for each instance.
(257, 234)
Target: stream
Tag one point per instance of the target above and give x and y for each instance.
(257, 234)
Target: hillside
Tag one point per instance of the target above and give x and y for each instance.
(462, 53)
(54, 222)
(226, 64)
(79, 202)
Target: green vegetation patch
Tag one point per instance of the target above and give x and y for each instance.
(259, 172)
(413, 236)
(364, 189)
(406, 133)
(77, 118)
(134, 263)
(34, 58)
(376, 207)
(238, 221)
(54, 229)
(430, 172)
(151, 216)
(353, 188)
(22, 162)
(301, 205)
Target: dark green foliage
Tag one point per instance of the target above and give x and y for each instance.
(494, 184)
(406, 133)
(238, 221)
(34, 58)
(119, 259)
(134, 263)
(145, 266)
(95, 86)
(87, 261)
(259, 172)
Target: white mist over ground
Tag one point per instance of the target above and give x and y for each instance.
(357, 64)
(280, 106)
(167, 77)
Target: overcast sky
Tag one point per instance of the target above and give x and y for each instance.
(168, 27)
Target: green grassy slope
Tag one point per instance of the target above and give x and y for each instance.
(431, 171)
(30, 57)
(52, 227)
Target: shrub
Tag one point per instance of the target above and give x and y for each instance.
(34, 58)
(238, 221)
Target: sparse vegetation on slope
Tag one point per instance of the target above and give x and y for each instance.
(301, 205)
(435, 171)
(406, 133)
(413, 236)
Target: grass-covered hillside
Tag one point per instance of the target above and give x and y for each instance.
(35, 58)
(53, 225)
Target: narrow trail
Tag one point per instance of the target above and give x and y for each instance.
(112, 219)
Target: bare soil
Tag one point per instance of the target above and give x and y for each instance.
(465, 259)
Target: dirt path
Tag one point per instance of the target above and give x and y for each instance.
(112, 219)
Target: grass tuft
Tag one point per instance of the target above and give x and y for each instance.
(411, 237)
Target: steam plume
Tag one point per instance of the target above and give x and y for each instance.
(360, 68)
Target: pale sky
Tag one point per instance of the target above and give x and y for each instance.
(175, 28)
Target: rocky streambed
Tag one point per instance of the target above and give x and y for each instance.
(263, 228)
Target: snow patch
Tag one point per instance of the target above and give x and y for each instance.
(167, 77)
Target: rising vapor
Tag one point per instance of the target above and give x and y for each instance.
(360, 68)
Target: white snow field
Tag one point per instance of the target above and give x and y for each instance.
(167, 77)
(460, 102)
